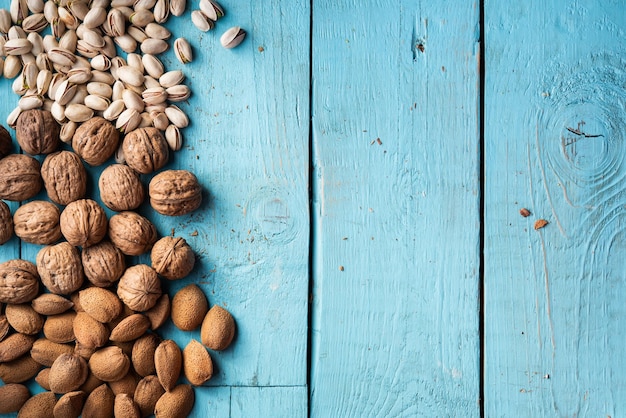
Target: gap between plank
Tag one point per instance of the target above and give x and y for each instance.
(312, 218)
(481, 238)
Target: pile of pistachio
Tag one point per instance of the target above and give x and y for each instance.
(75, 71)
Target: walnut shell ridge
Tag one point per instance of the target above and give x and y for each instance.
(83, 223)
(175, 192)
(37, 222)
(60, 268)
(132, 233)
(37, 132)
(172, 258)
(19, 281)
(64, 177)
(120, 188)
(6, 223)
(139, 287)
(95, 141)
(20, 178)
(145, 150)
(103, 263)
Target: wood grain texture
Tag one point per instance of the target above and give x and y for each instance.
(396, 219)
(555, 143)
(278, 402)
(248, 144)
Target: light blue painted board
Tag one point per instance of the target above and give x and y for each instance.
(554, 310)
(396, 209)
(275, 402)
(248, 145)
(212, 402)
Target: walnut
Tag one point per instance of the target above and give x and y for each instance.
(37, 222)
(83, 223)
(6, 223)
(103, 263)
(120, 188)
(132, 233)
(64, 177)
(172, 258)
(60, 268)
(95, 140)
(145, 150)
(6, 144)
(19, 281)
(139, 287)
(37, 132)
(175, 192)
(19, 177)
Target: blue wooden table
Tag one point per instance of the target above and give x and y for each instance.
(364, 165)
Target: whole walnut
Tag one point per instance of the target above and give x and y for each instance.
(83, 223)
(175, 192)
(37, 222)
(37, 132)
(6, 223)
(132, 233)
(139, 287)
(64, 177)
(172, 258)
(96, 140)
(103, 263)
(19, 177)
(145, 150)
(6, 144)
(120, 188)
(19, 281)
(60, 268)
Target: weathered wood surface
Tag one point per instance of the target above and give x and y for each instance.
(396, 209)
(248, 144)
(555, 135)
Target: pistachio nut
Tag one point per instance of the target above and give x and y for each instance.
(161, 11)
(177, 116)
(177, 7)
(201, 21)
(78, 112)
(154, 46)
(183, 52)
(211, 9)
(173, 137)
(232, 37)
(114, 110)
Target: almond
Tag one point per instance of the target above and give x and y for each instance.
(20, 370)
(51, 304)
(24, 319)
(14, 346)
(197, 363)
(43, 378)
(143, 354)
(126, 407)
(168, 363)
(189, 307)
(91, 383)
(69, 405)
(130, 328)
(148, 392)
(176, 403)
(40, 405)
(102, 304)
(218, 329)
(60, 328)
(89, 332)
(126, 384)
(99, 403)
(68, 373)
(109, 364)
(12, 397)
(160, 312)
(45, 351)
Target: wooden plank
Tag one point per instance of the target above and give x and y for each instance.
(279, 402)
(396, 219)
(555, 118)
(248, 145)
